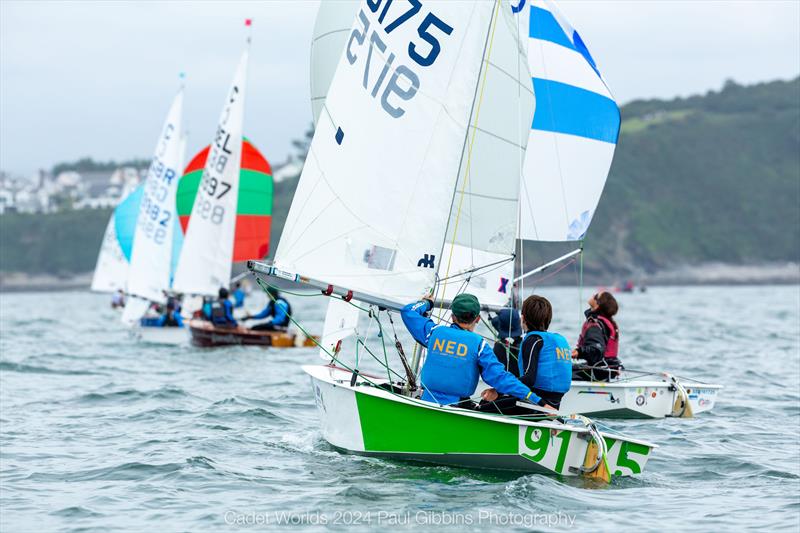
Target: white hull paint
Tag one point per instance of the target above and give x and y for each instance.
(350, 426)
(636, 398)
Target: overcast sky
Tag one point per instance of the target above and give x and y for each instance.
(96, 78)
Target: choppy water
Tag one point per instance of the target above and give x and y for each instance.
(100, 432)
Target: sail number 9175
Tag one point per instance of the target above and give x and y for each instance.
(403, 83)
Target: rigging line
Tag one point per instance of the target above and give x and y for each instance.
(487, 48)
(580, 286)
(367, 380)
(522, 53)
(498, 264)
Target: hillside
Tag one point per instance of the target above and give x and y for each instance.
(706, 179)
(712, 178)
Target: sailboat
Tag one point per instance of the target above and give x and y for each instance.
(570, 146)
(411, 186)
(154, 239)
(111, 271)
(225, 203)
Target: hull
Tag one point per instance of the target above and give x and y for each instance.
(637, 398)
(368, 420)
(157, 335)
(207, 335)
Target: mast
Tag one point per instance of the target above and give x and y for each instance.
(480, 82)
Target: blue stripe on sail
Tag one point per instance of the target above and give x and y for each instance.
(567, 109)
(543, 25)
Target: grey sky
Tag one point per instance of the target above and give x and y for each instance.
(96, 78)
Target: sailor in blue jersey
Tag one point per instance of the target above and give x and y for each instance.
(544, 360)
(457, 355)
(221, 311)
(238, 296)
(171, 317)
(278, 310)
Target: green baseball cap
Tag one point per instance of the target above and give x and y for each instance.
(466, 307)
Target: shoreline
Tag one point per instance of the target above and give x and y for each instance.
(708, 274)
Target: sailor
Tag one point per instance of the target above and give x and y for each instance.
(544, 362)
(598, 343)
(509, 337)
(277, 311)
(118, 299)
(171, 317)
(221, 312)
(238, 296)
(457, 355)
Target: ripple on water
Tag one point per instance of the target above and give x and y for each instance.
(99, 432)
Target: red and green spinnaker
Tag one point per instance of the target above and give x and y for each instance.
(254, 207)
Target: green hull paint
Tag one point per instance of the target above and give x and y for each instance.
(415, 430)
(257, 201)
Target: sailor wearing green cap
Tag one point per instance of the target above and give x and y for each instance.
(457, 355)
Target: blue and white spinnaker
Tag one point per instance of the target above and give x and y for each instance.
(574, 132)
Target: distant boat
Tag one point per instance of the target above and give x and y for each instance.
(225, 205)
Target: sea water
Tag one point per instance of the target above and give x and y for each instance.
(101, 432)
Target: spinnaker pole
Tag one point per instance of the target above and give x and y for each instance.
(548, 265)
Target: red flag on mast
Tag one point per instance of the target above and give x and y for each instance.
(248, 22)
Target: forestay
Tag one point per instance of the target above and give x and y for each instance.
(206, 260)
(573, 134)
(151, 257)
(372, 204)
(481, 234)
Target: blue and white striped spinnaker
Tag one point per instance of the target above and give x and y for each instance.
(574, 131)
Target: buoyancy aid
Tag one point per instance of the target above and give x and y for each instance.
(612, 343)
(451, 366)
(554, 373)
(219, 316)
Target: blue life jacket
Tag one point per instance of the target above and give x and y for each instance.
(451, 369)
(554, 373)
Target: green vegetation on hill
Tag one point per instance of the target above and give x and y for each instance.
(60, 243)
(87, 164)
(706, 178)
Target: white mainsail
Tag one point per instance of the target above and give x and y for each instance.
(331, 32)
(573, 134)
(341, 321)
(206, 259)
(151, 257)
(111, 270)
(374, 198)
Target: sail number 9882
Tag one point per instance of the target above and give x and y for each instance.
(403, 82)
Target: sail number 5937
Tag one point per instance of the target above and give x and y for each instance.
(403, 83)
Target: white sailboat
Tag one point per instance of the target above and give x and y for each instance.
(150, 271)
(206, 260)
(569, 152)
(570, 145)
(207, 257)
(412, 184)
(111, 269)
